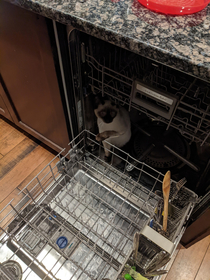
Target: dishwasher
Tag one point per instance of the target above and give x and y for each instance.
(84, 218)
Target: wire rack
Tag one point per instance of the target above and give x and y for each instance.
(76, 219)
(114, 74)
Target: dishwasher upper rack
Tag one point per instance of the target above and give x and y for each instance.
(191, 115)
(44, 188)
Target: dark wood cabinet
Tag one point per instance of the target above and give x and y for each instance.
(29, 76)
(5, 107)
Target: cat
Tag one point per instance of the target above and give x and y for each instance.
(113, 123)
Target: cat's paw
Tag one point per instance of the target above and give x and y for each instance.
(99, 137)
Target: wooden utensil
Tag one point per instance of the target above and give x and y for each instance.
(166, 191)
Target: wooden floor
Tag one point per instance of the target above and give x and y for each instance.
(21, 159)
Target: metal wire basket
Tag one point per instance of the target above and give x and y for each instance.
(76, 219)
(113, 75)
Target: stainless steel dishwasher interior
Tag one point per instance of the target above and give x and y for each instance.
(77, 218)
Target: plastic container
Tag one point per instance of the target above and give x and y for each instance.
(175, 7)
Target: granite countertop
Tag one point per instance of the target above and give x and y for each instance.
(182, 42)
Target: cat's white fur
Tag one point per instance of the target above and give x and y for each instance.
(120, 124)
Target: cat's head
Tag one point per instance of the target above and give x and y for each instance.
(105, 109)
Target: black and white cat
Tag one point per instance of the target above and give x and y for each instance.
(113, 124)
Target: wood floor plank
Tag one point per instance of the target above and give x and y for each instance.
(15, 195)
(18, 153)
(204, 270)
(45, 178)
(188, 261)
(13, 198)
(35, 172)
(170, 264)
(10, 141)
(22, 170)
(5, 129)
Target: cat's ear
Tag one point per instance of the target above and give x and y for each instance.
(98, 100)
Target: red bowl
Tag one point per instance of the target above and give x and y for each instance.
(175, 7)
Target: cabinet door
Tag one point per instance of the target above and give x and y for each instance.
(29, 75)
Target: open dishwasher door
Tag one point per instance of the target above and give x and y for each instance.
(78, 217)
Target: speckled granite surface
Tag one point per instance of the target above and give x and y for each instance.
(180, 42)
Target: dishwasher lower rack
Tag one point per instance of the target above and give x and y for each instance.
(77, 218)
